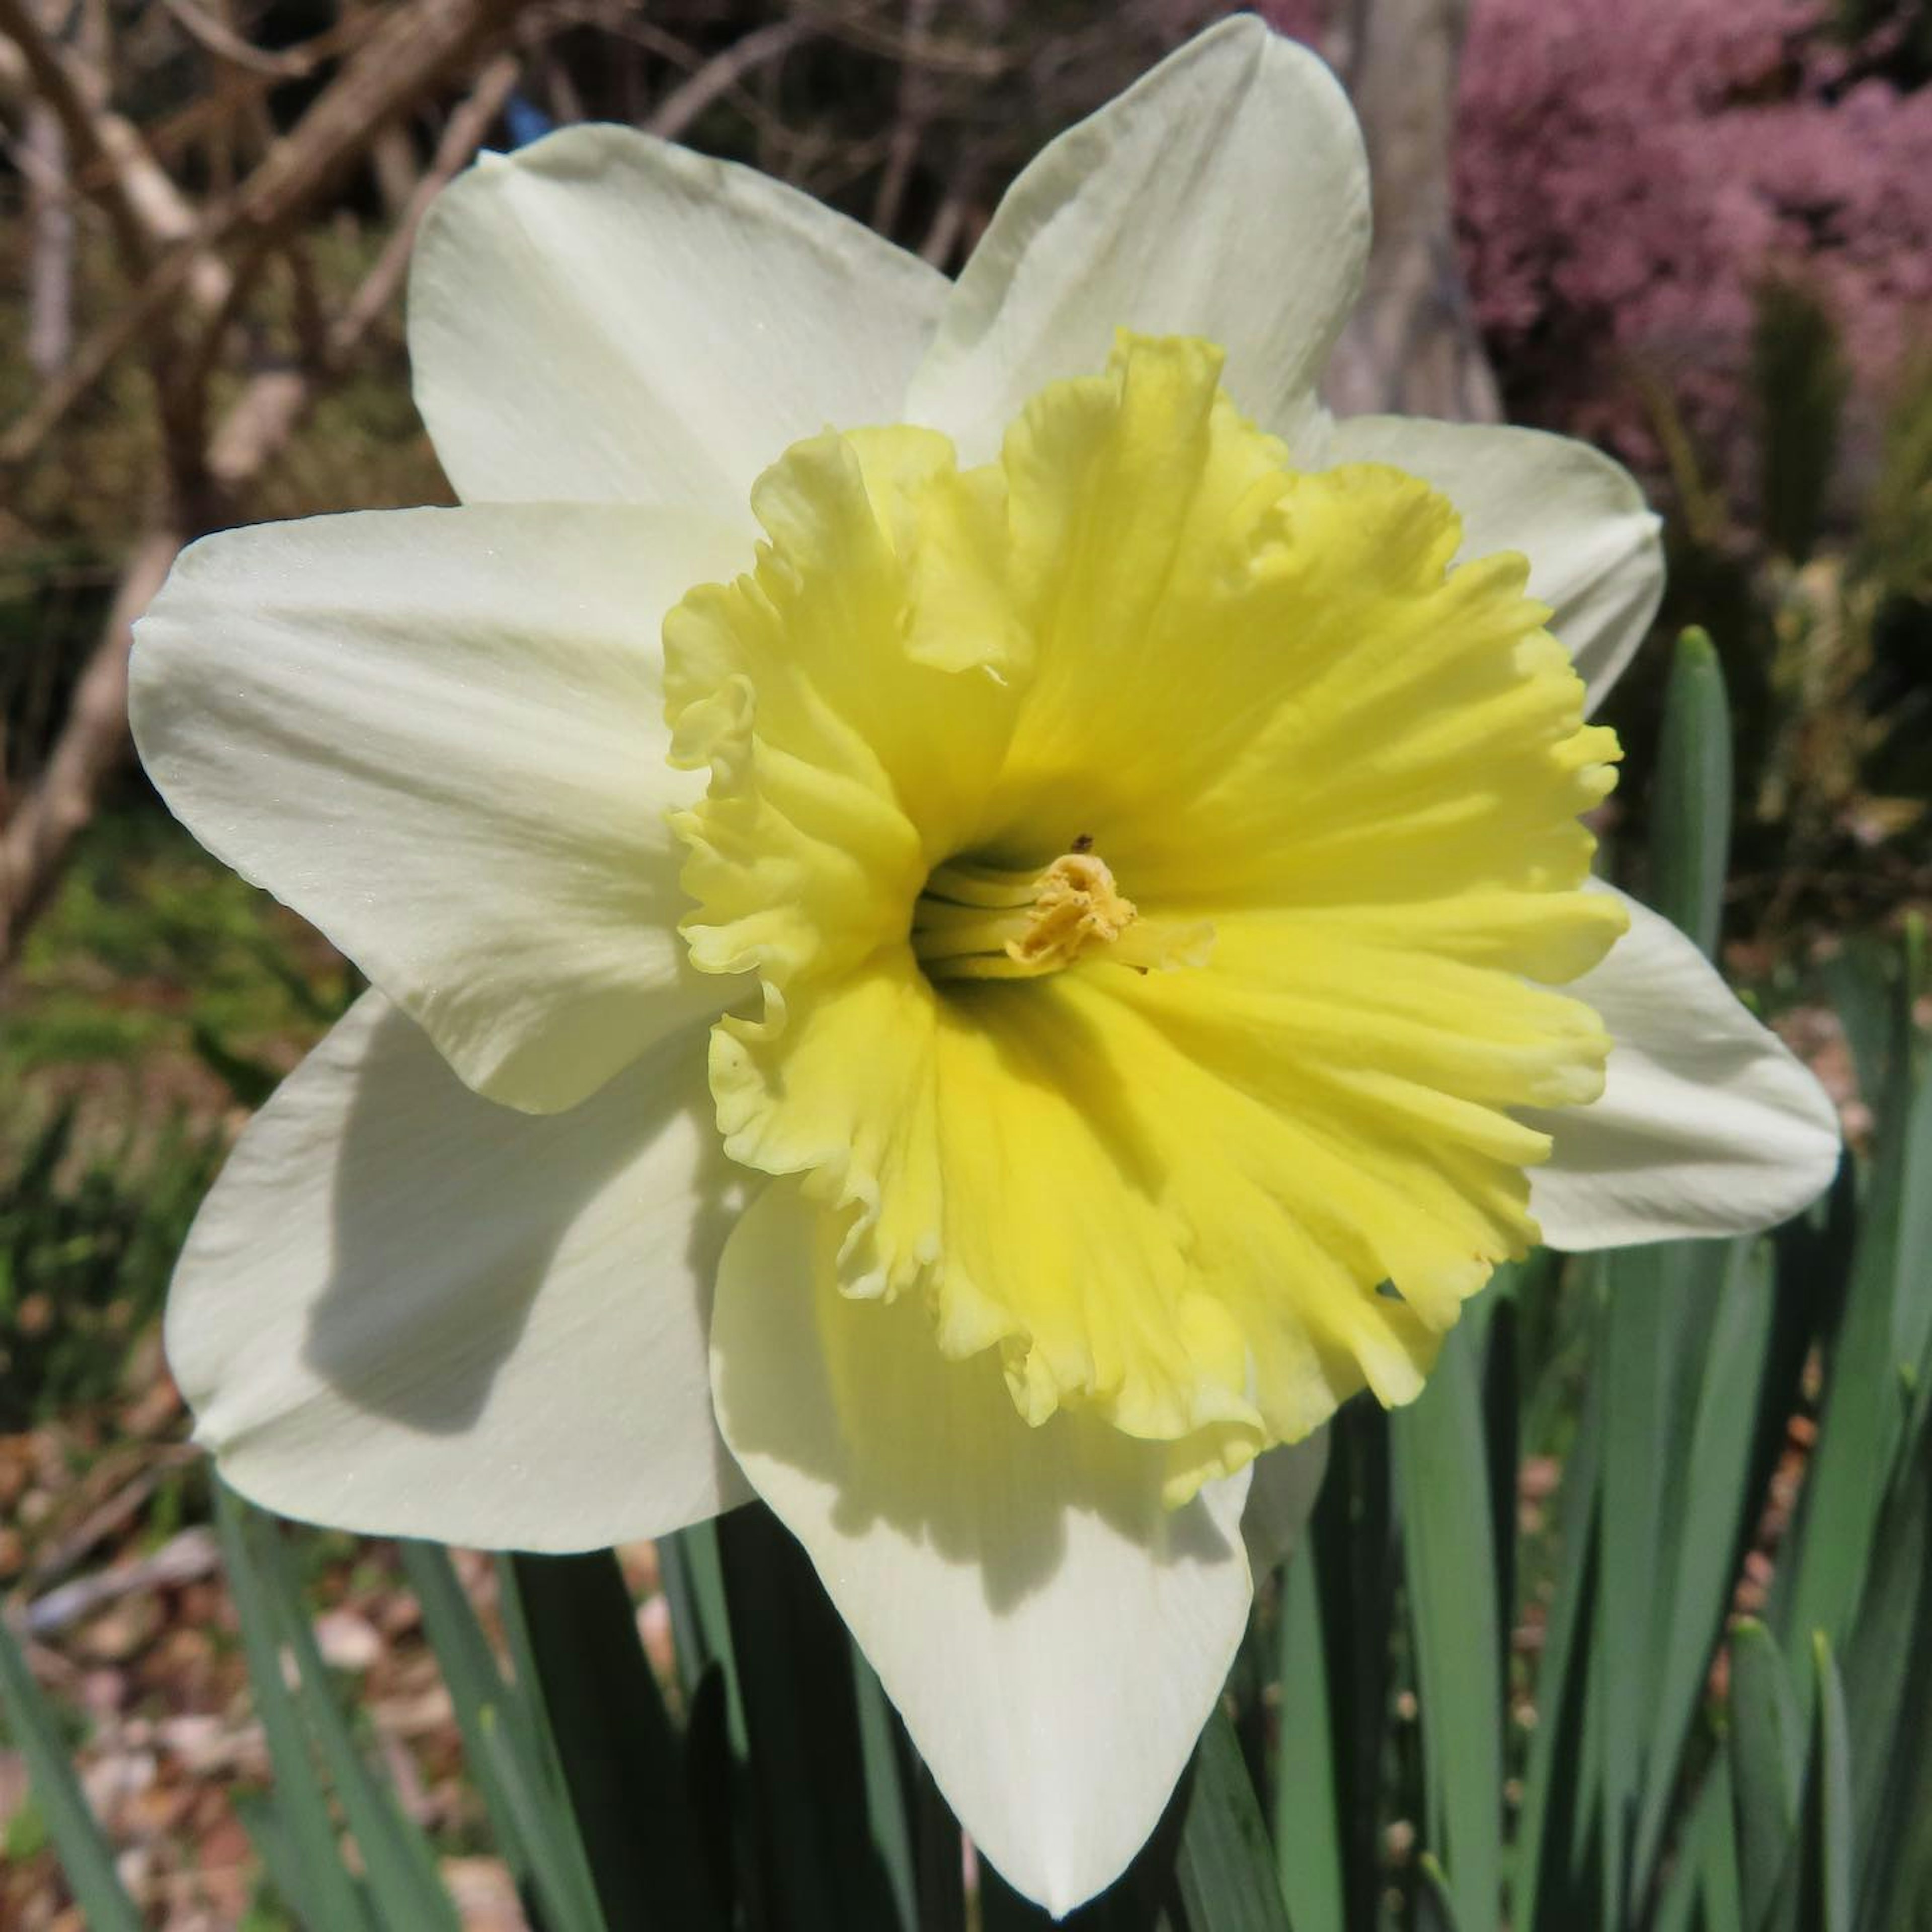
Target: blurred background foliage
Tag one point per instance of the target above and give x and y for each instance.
(1698, 231)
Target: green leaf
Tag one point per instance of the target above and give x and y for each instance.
(269, 1832)
(1440, 1462)
(399, 1864)
(1636, 1317)
(1354, 1537)
(1435, 1905)
(694, 1581)
(1691, 800)
(1224, 1872)
(85, 1854)
(1767, 1744)
(1888, 1685)
(1828, 1825)
(1719, 1509)
(1856, 985)
(1862, 1427)
(1720, 1888)
(622, 1765)
(794, 1656)
(1307, 1834)
(505, 1748)
(1551, 1823)
(316, 1881)
(886, 1809)
(1701, 1889)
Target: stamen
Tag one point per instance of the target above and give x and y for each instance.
(977, 922)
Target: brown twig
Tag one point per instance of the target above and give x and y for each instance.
(108, 156)
(721, 74)
(217, 37)
(416, 47)
(51, 813)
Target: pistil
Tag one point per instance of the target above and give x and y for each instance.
(976, 922)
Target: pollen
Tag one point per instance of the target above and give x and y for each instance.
(977, 922)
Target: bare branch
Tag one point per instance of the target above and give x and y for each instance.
(720, 75)
(53, 810)
(50, 271)
(217, 37)
(461, 138)
(417, 45)
(267, 412)
(914, 109)
(108, 156)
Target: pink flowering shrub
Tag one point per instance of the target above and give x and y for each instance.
(1627, 177)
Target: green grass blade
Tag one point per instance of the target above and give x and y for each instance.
(1767, 1747)
(1715, 1855)
(534, 1830)
(1641, 1302)
(1867, 1398)
(397, 1860)
(1440, 1459)
(700, 1624)
(1435, 1905)
(886, 1809)
(1307, 1836)
(1718, 1507)
(326, 1894)
(1828, 1825)
(1700, 1886)
(1690, 798)
(1888, 1684)
(1855, 983)
(621, 1763)
(269, 1832)
(1551, 1826)
(807, 1761)
(85, 1854)
(1502, 1407)
(1353, 1535)
(1224, 1871)
(469, 1674)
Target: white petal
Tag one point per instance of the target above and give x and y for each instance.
(1595, 553)
(1286, 1485)
(410, 1312)
(439, 735)
(1053, 1637)
(1707, 1125)
(1225, 195)
(603, 316)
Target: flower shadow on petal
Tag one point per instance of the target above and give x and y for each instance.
(853, 1426)
(473, 1245)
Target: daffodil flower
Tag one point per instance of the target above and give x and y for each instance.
(982, 1014)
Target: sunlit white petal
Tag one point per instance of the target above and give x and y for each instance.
(603, 316)
(1226, 195)
(1053, 1636)
(1596, 557)
(408, 1311)
(439, 735)
(1708, 1124)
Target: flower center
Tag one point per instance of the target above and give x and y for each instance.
(1169, 1200)
(979, 922)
